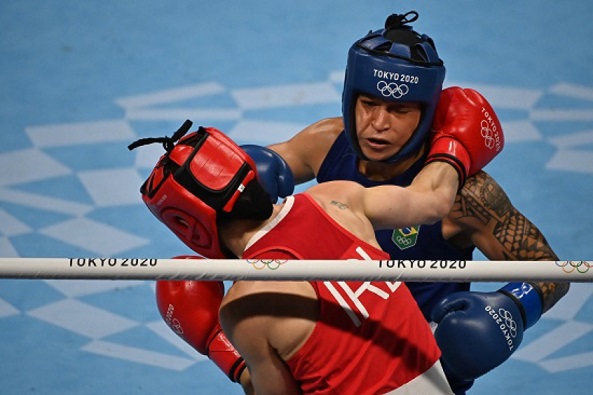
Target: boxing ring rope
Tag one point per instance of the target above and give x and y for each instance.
(295, 270)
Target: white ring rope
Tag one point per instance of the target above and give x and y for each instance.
(295, 270)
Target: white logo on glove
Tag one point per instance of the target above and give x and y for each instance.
(490, 131)
(506, 323)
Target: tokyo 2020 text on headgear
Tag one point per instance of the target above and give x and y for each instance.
(201, 175)
(395, 64)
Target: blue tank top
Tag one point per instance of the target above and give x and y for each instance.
(424, 242)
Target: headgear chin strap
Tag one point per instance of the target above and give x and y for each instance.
(201, 175)
(397, 65)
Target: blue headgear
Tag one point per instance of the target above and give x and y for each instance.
(395, 64)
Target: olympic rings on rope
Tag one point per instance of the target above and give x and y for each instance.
(272, 264)
(572, 266)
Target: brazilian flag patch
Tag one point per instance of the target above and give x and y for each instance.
(405, 237)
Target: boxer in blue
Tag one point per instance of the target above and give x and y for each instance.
(393, 97)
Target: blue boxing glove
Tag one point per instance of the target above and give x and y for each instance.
(273, 172)
(478, 331)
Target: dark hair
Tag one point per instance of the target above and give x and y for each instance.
(253, 204)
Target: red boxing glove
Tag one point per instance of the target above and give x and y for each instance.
(190, 309)
(466, 132)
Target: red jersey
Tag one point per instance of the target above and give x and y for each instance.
(371, 337)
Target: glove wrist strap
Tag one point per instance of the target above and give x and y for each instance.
(224, 355)
(529, 300)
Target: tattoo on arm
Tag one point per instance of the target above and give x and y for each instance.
(512, 236)
(552, 293)
(339, 205)
(515, 236)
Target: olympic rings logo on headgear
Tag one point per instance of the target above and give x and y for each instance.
(575, 266)
(392, 89)
(260, 264)
(488, 135)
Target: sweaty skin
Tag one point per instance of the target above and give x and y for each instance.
(268, 322)
(482, 216)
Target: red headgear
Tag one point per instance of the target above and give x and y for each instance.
(202, 174)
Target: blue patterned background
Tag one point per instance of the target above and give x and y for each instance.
(81, 80)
